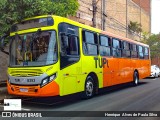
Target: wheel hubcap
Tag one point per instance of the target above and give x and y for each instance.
(89, 88)
(136, 80)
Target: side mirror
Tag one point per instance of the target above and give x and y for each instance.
(3, 44)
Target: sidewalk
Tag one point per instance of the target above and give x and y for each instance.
(3, 92)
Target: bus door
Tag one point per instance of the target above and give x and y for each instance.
(70, 64)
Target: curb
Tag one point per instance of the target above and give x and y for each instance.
(2, 102)
(3, 83)
(4, 94)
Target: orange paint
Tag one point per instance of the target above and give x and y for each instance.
(121, 70)
(51, 89)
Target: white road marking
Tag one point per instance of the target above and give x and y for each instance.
(25, 109)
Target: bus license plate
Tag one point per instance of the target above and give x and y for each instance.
(23, 90)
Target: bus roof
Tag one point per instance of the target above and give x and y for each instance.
(89, 28)
(123, 38)
(103, 32)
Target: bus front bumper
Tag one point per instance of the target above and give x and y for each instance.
(51, 89)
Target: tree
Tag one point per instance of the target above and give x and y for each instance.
(135, 27)
(154, 42)
(12, 11)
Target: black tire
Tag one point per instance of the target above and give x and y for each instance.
(89, 88)
(155, 75)
(135, 79)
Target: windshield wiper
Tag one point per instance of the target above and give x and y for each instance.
(3, 42)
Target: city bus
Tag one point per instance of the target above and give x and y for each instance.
(54, 56)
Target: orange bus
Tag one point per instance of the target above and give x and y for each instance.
(55, 56)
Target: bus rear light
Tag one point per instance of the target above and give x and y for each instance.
(48, 79)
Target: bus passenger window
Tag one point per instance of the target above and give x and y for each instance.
(116, 48)
(146, 53)
(126, 50)
(134, 51)
(105, 49)
(141, 54)
(90, 44)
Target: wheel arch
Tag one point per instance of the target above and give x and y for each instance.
(96, 82)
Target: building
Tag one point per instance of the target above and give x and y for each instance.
(115, 15)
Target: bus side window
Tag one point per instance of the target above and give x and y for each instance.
(116, 48)
(105, 46)
(134, 52)
(126, 49)
(140, 51)
(90, 43)
(146, 53)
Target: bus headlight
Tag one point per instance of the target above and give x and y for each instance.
(44, 82)
(52, 77)
(48, 79)
(9, 81)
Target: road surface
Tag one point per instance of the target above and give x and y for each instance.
(144, 97)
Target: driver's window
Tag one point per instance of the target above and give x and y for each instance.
(69, 45)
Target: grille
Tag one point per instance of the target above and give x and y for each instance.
(26, 73)
(30, 89)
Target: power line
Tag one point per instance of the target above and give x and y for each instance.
(115, 22)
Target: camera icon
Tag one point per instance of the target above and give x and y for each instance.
(6, 114)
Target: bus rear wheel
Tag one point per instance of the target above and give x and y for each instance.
(89, 88)
(135, 79)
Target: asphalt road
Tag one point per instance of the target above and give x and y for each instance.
(144, 97)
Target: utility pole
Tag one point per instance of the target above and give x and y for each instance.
(140, 16)
(103, 5)
(94, 12)
(126, 18)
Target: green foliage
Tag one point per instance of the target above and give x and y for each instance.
(154, 42)
(16, 10)
(135, 27)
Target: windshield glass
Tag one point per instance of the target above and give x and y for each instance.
(26, 50)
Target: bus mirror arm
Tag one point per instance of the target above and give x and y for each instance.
(3, 43)
(7, 53)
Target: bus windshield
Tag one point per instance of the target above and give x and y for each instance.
(25, 50)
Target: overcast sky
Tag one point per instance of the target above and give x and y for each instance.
(155, 19)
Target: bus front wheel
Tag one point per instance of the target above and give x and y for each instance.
(88, 88)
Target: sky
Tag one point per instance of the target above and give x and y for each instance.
(155, 16)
